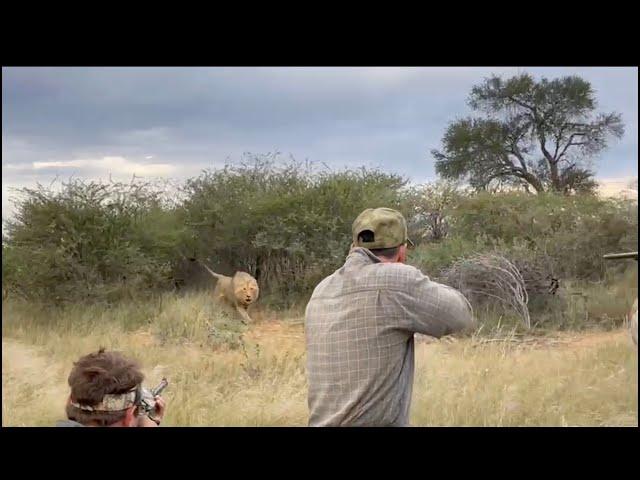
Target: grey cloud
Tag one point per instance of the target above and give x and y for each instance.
(199, 117)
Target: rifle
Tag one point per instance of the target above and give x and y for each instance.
(615, 256)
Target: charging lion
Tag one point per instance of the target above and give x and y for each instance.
(239, 291)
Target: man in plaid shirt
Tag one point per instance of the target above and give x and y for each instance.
(360, 322)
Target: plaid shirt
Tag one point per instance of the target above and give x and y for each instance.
(359, 326)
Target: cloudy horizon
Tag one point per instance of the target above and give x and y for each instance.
(174, 122)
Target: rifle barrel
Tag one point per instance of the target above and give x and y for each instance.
(613, 256)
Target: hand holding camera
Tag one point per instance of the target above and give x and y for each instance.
(152, 406)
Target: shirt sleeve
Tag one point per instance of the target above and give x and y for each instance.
(437, 309)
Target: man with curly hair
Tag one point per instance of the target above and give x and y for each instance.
(105, 392)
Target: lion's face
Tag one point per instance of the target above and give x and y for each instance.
(246, 290)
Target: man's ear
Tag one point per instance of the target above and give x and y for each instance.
(402, 254)
(130, 419)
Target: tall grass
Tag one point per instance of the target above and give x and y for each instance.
(503, 384)
(224, 374)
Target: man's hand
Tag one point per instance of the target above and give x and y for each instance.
(156, 416)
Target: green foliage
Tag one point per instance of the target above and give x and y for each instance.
(433, 258)
(287, 225)
(90, 242)
(430, 205)
(570, 233)
(547, 236)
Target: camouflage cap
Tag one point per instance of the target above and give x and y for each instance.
(110, 403)
(388, 226)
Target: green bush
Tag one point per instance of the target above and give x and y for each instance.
(289, 226)
(572, 233)
(547, 237)
(286, 224)
(90, 242)
(433, 258)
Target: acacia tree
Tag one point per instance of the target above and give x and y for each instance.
(533, 134)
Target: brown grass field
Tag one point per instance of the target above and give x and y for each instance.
(257, 377)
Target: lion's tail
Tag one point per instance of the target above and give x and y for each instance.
(214, 274)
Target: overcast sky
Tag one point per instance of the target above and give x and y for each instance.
(173, 122)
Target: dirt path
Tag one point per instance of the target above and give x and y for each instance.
(20, 360)
(30, 378)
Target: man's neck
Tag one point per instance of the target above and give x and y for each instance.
(389, 260)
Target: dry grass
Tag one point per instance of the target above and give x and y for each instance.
(257, 377)
(586, 379)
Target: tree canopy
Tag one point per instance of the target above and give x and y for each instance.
(536, 134)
